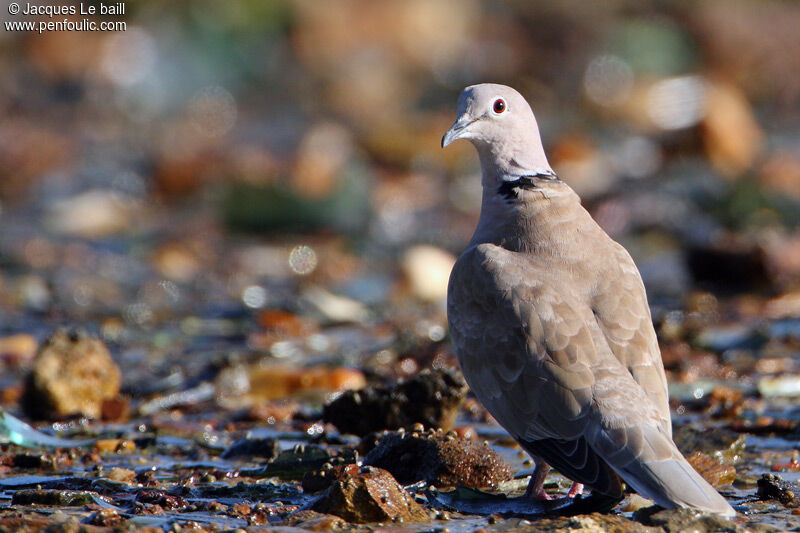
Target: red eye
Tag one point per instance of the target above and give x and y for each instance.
(499, 106)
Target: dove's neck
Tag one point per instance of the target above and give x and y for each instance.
(547, 219)
(504, 161)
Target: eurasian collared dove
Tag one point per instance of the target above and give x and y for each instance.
(550, 321)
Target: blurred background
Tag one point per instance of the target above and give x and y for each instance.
(224, 182)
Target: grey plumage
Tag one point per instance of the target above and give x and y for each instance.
(550, 321)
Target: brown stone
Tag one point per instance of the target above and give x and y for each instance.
(18, 349)
(106, 518)
(732, 137)
(116, 409)
(593, 523)
(319, 480)
(714, 472)
(314, 521)
(371, 495)
(123, 475)
(161, 499)
(264, 383)
(441, 459)
(431, 398)
(109, 446)
(72, 374)
(676, 520)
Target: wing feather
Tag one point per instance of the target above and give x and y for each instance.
(621, 309)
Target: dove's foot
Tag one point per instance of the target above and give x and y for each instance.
(575, 490)
(540, 495)
(535, 490)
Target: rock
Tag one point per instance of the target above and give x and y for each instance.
(321, 156)
(720, 443)
(725, 402)
(680, 520)
(786, 305)
(18, 349)
(105, 518)
(279, 325)
(52, 497)
(183, 165)
(714, 472)
(370, 495)
(94, 214)
(122, 475)
(590, 523)
(443, 460)
(113, 446)
(261, 383)
(73, 373)
(722, 337)
(772, 487)
(28, 150)
(431, 398)
(33, 460)
(116, 409)
(787, 385)
(732, 137)
(163, 499)
(781, 174)
(321, 479)
(427, 270)
(178, 261)
(253, 447)
(730, 264)
(297, 462)
(314, 521)
(335, 308)
(765, 425)
(633, 502)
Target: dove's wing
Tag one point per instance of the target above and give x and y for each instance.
(623, 314)
(539, 362)
(530, 364)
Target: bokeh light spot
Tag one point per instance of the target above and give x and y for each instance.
(254, 296)
(608, 80)
(677, 103)
(213, 111)
(129, 56)
(303, 260)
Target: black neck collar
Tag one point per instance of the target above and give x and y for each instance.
(510, 189)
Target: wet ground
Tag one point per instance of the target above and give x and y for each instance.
(228, 381)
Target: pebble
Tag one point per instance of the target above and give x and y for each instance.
(439, 459)
(427, 270)
(72, 374)
(369, 495)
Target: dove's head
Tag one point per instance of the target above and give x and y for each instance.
(501, 125)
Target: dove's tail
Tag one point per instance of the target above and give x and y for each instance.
(650, 462)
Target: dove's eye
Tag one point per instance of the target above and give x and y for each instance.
(499, 106)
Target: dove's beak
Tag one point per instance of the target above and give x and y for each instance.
(458, 130)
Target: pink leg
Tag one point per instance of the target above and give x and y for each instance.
(535, 490)
(575, 490)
